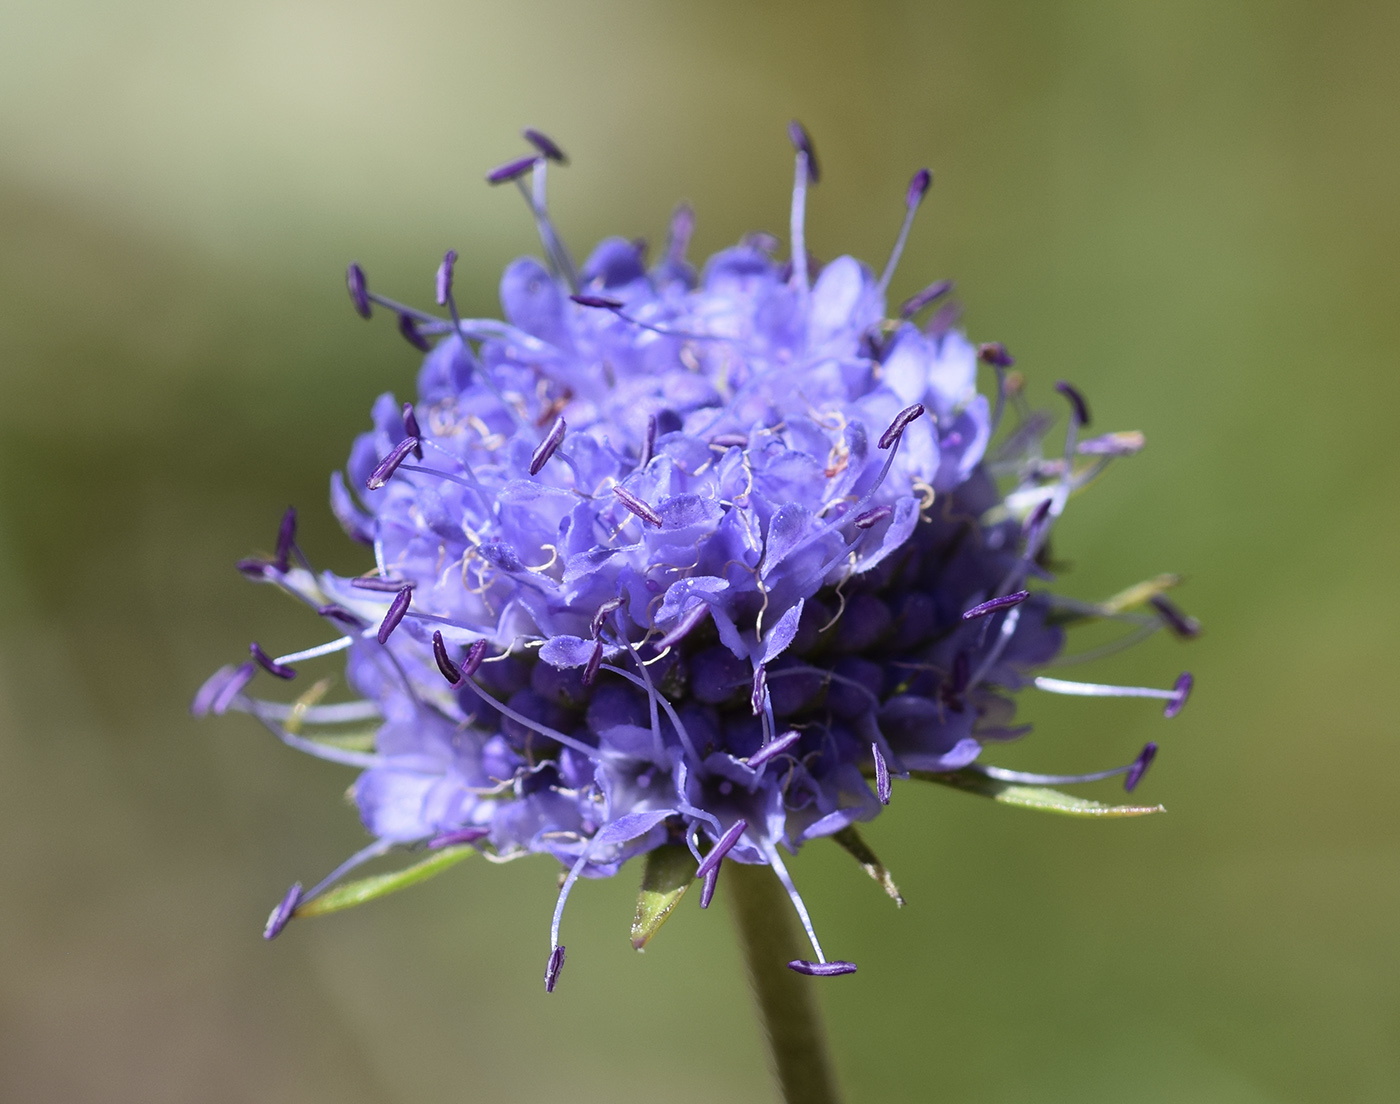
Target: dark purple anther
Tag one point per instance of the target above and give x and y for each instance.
(595, 661)
(283, 912)
(648, 443)
(600, 618)
(802, 143)
(444, 277)
(707, 889)
(1139, 767)
(408, 327)
(551, 971)
(637, 506)
(729, 440)
(545, 144)
(450, 671)
(383, 586)
(918, 302)
(341, 614)
(397, 608)
(359, 292)
(387, 466)
(460, 835)
(511, 170)
(773, 748)
(601, 302)
(1036, 518)
(1184, 625)
(219, 689)
(944, 318)
(995, 354)
(962, 671)
(821, 969)
(873, 517)
(900, 423)
(1076, 400)
(723, 847)
(475, 654)
(994, 604)
(286, 535)
(268, 664)
(882, 775)
(253, 569)
(918, 188)
(410, 427)
(1182, 691)
(540, 457)
(759, 694)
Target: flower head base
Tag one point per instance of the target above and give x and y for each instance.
(667, 560)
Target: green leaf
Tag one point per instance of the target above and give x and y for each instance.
(1034, 797)
(667, 875)
(367, 889)
(851, 840)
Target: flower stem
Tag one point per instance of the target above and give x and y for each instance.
(786, 1003)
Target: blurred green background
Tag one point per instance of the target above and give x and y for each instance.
(1188, 208)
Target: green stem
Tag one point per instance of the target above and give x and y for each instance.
(786, 1003)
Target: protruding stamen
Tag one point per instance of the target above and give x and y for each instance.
(648, 443)
(286, 537)
(882, 775)
(1035, 521)
(599, 302)
(707, 890)
(220, 688)
(375, 583)
(544, 144)
(540, 457)
(1180, 692)
(918, 188)
(1076, 401)
(1126, 443)
(595, 661)
(444, 276)
(944, 318)
(678, 240)
(390, 463)
(759, 694)
(253, 569)
(450, 671)
(408, 327)
(459, 835)
(773, 748)
(723, 847)
(637, 506)
(341, 614)
(919, 301)
(806, 173)
(475, 654)
(821, 969)
(551, 971)
(802, 143)
(279, 916)
(270, 665)
(1182, 624)
(873, 517)
(410, 427)
(600, 618)
(993, 604)
(995, 354)
(900, 423)
(1139, 767)
(511, 170)
(359, 291)
(397, 608)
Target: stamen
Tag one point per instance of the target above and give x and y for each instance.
(268, 664)
(551, 971)
(648, 443)
(1182, 624)
(773, 748)
(918, 188)
(546, 448)
(821, 969)
(1076, 401)
(1175, 697)
(450, 671)
(219, 689)
(729, 440)
(759, 694)
(408, 327)
(544, 144)
(253, 569)
(359, 293)
(277, 920)
(805, 173)
(319, 650)
(900, 423)
(286, 537)
(1180, 692)
(723, 847)
(776, 862)
(802, 143)
(944, 318)
(410, 427)
(995, 354)
(707, 890)
(374, 582)
(873, 517)
(460, 835)
(994, 604)
(590, 669)
(882, 775)
(678, 240)
(511, 170)
(919, 301)
(475, 654)
(600, 618)
(444, 277)
(397, 608)
(1126, 443)
(637, 506)
(397, 455)
(601, 302)
(1139, 767)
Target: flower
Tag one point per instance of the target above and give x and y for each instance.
(676, 559)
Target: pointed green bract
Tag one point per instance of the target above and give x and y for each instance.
(667, 875)
(367, 889)
(1034, 797)
(851, 840)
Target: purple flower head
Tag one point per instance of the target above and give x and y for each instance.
(667, 559)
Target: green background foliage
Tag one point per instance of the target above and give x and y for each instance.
(1187, 208)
